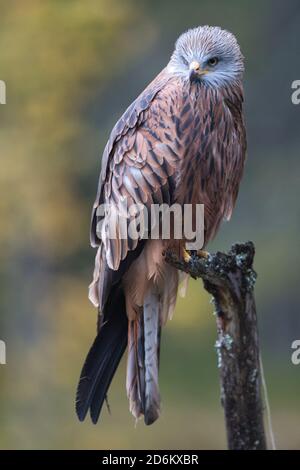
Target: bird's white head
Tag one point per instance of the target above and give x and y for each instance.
(208, 54)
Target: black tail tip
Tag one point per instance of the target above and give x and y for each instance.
(150, 417)
(81, 414)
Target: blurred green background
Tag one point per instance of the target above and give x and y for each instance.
(71, 68)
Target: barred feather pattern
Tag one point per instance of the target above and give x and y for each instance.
(143, 361)
(135, 376)
(151, 328)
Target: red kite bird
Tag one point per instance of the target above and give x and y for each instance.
(181, 141)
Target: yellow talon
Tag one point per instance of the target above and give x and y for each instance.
(186, 255)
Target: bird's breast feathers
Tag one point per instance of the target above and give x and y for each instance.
(199, 130)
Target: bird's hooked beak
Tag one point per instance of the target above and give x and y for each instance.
(196, 71)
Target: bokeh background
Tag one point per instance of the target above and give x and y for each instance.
(71, 68)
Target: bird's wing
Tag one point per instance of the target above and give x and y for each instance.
(121, 140)
(138, 166)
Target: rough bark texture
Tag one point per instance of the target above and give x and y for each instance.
(230, 279)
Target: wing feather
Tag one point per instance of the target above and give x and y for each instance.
(123, 130)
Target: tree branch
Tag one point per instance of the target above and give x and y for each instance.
(230, 278)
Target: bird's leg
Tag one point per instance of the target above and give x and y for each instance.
(178, 248)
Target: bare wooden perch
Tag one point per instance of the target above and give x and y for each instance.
(230, 279)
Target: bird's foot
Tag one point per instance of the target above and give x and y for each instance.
(186, 255)
(202, 254)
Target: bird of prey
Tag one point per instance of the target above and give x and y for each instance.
(181, 141)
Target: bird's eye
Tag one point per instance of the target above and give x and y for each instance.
(212, 62)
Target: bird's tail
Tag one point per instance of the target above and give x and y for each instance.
(103, 358)
(143, 360)
(143, 335)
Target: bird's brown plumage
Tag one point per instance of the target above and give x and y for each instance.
(180, 141)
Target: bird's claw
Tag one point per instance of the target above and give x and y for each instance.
(203, 254)
(186, 255)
